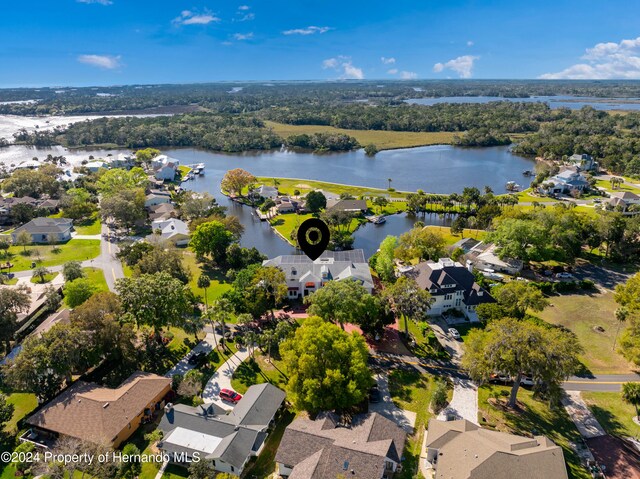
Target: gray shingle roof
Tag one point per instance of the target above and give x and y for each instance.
(46, 226)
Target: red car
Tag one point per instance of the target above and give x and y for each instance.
(229, 395)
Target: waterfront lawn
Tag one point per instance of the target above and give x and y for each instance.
(527, 196)
(533, 417)
(286, 223)
(582, 313)
(626, 186)
(44, 255)
(288, 185)
(90, 226)
(451, 238)
(384, 140)
(612, 413)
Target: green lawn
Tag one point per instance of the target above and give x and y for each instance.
(265, 464)
(258, 372)
(412, 390)
(44, 255)
(581, 313)
(47, 278)
(286, 223)
(219, 283)
(451, 238)
(606, 184)
(91, 226)
(613, 413)
(288, 185)
(96, 277)
(23, 404)
(384, 140)
(527, 196)
(534, 418)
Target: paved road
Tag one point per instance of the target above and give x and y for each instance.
(601, 382)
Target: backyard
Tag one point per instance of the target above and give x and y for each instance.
(49, 255)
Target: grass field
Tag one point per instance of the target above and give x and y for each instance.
(23, 404)
(91, 226)
(534, 418)
(581, 313)
(606, 184)
(526, 196)
(218, 283)
(73, 250)
(384, 140)
(613, 413)
(258, 372)
(47, 278)
(451, 238)
(96, 277)
(288, 185)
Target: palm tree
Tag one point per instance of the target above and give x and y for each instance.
(389, 183)
(621, 316)
(204, 282)
(41, 272)
(631, 395)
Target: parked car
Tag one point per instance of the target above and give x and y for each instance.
(374, 394)
(500, 378)
(527, 381)
(564, 276)
(229, 395)
(197, 358)
(453, 332)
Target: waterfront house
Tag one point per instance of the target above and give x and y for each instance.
(305, 276)
(485, 258)
(96, 165)
(350, 206)
(451, 285)
(568, 180)
(98, 414)
(164, 168)
(266, 192)
(622, 201)
(120, 161)
(583, 162)
(173, 230)
(370, 446)
(462, 450)
(45, 230)
(228, 440)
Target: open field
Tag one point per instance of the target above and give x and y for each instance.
(288, 185)
(581, 313)
(626, 186)
(533, 417)
(218, 283)
(451, 238)
(613, 413)
(73, 250)
(96, 277)
(47, 278)
(91, 226)
(384, 140)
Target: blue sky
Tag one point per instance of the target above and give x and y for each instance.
(105, 42)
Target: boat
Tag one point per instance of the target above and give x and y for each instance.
(512, 186)
(527, 173)
(378, 220)
(200, 168)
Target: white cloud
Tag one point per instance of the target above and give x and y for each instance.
(604, 61)
(100, 2)
(470, 43)
(187, 17)
(405, 75)
(388, 61)
(244, 7)
(343, 65)
(310, 30)
(393, 71)
(108, 62)
(463, 65)
(243, 36)
(247, 17)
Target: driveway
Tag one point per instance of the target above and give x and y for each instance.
(206, 345)
(221, 379)
(464, 404)
(405, 419)
(453, 347)
(586, 423)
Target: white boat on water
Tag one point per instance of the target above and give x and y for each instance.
(200, 168)
(512, 186)
(378, 220)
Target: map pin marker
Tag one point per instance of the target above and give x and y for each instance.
(313, 237)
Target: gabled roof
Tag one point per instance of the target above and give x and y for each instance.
(46, 226)
(466, 451)
(238, 434)
(96, 413)
(625, 195)
(322, 448)
(347, 205)
(433, 277)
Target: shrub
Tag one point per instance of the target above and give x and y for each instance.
(439, 396)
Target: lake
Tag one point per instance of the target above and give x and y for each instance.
(434, 169)
(559, 101)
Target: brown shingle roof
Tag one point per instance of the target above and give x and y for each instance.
(320, 449)
(466, 451)
(98, 414)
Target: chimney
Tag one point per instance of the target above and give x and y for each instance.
(168, 407)
(469, 266)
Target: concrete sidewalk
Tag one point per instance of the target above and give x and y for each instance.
(581, 415)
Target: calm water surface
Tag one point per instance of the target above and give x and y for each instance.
(559, 101)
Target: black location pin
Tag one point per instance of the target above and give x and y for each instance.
(313, 237)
